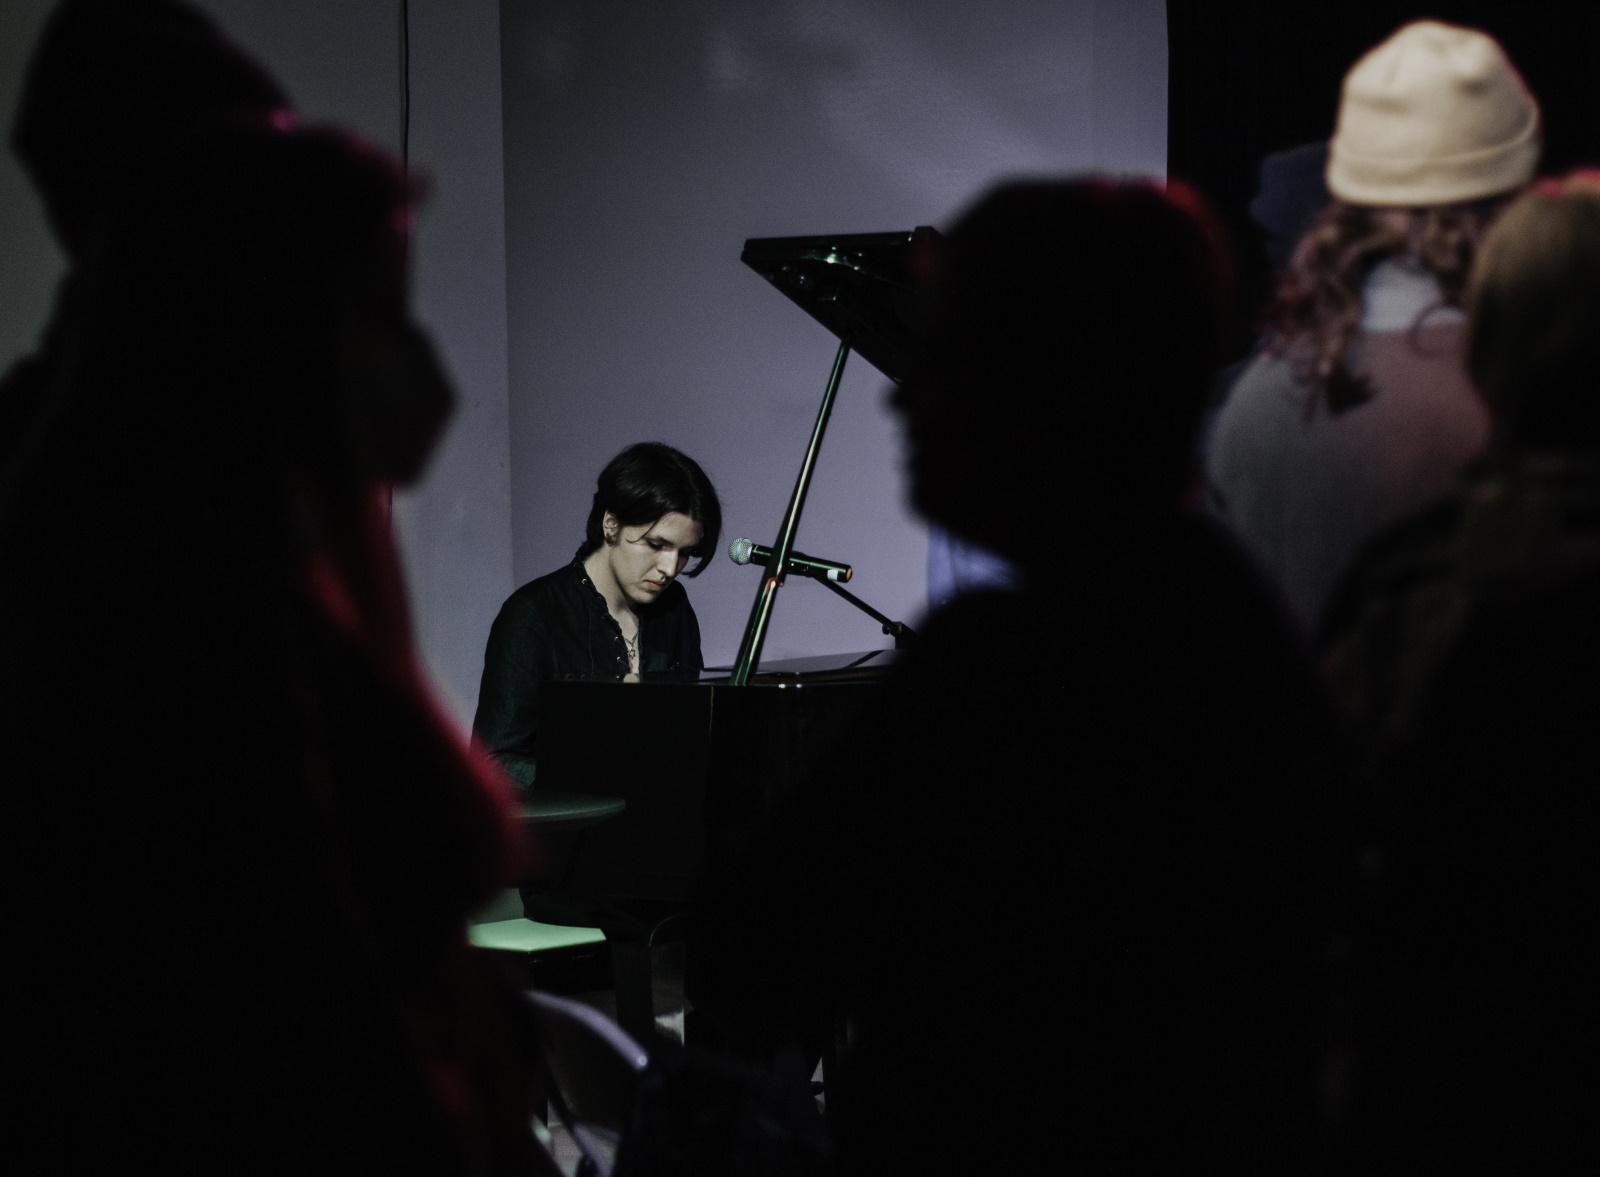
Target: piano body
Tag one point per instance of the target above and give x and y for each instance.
(701, 764)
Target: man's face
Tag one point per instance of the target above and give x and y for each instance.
(644, 560)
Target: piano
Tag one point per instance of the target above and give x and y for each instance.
(708, 761)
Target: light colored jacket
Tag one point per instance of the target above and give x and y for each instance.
(1302, 487)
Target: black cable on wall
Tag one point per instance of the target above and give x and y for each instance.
(405, 88)
(405, 144)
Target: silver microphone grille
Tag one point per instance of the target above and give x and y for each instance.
(739, 550)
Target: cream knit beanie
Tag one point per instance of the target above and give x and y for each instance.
(1434, 115)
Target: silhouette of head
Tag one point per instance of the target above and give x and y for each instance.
(1534, 348)
(244, 321)
(113, 80)
(1071, 334)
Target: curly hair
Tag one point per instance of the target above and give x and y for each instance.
(1318, 297)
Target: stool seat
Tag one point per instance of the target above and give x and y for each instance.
(550, 809)
(524, 935)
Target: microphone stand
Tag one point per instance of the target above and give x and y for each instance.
(899, 630)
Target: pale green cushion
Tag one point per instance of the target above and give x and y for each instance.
(523, 935)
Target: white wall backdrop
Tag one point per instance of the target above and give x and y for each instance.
(646, 140)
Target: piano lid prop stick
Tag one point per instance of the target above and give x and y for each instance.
(755, 630)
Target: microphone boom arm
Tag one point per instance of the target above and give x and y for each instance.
(899, 630)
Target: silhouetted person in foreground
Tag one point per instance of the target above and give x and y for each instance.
(1469, 641)
(240, 843)
(1070, 881)
(110, 82)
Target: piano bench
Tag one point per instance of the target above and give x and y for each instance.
(525, 936)
(551, 957)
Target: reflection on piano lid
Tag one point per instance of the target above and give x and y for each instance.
(860, 286)
(820, 668)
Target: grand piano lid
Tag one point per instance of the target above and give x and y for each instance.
(863, 287)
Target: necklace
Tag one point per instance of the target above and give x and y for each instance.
(632, 645)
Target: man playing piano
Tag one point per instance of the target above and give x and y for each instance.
(615, 613)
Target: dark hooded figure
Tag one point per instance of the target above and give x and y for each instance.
(1067, 886)
(111, 81)
(240, 843)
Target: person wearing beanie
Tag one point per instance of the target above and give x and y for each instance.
(1359, 410)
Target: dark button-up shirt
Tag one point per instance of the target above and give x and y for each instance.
(558, 627)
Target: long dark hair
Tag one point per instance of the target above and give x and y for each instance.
(649, 480)
(1319, 296)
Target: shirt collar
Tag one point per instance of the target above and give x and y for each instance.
(1399, 293)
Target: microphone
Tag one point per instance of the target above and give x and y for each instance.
(743, 551)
